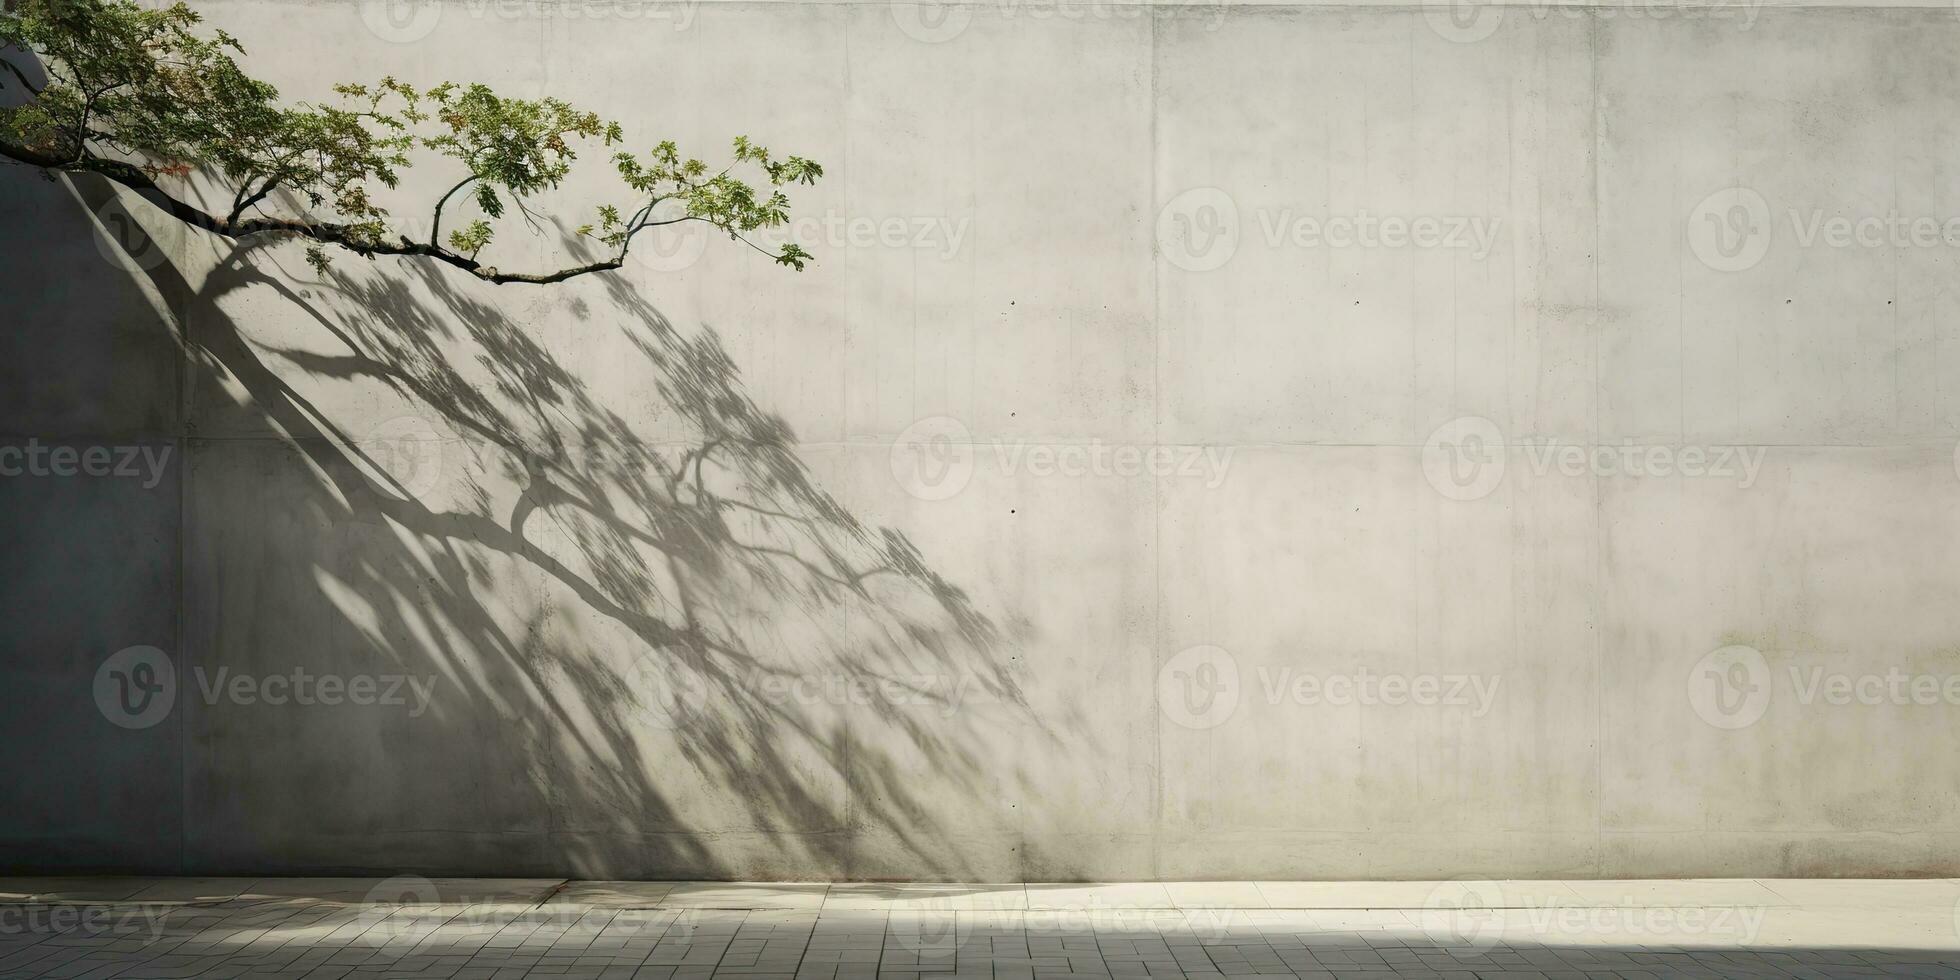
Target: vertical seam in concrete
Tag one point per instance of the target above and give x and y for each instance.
(1156, 483)
(848, 773)
(1898, 395)
(1599, 514)
(180, 431)
(1512, 127)
(181, 612)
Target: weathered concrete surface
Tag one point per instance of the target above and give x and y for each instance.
(1049, 241)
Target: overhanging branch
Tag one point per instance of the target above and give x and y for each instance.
(327, 233)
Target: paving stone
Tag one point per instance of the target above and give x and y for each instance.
(619, 931)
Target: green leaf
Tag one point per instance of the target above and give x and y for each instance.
(140, 83)
(486, 198)
(471, 238)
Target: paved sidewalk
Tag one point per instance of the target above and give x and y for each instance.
(483, 928)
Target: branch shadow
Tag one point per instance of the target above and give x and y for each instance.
(658, 657)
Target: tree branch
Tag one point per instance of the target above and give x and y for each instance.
(242, 203)
(133, 177)
(435, 224)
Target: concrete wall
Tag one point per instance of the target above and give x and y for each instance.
(1213, 441)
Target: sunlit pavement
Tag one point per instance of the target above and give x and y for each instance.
(482, 928)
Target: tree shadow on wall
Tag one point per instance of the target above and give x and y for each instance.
(671, 656)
